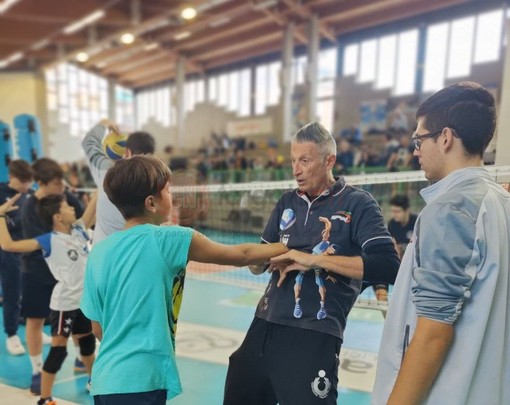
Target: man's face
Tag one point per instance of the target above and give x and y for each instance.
(309, 167)
(429, 155)
(55, 186)
(398, 214)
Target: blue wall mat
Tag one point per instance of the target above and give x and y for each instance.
(28, 139)
(5, 150)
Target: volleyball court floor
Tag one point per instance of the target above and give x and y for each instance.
(213, 321)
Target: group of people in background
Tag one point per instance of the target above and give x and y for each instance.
(445, 336)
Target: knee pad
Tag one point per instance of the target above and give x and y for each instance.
(87, 344)
(55, 359)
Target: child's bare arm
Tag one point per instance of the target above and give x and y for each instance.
(6, 242)
(205, 250)
(89, 216)
(97, 330)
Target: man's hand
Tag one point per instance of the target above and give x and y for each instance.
(9, 206)
(293, 260)
(110, 125)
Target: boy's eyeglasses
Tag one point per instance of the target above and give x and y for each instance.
(418, 139)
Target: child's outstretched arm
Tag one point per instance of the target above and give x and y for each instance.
(205, 250)
(6, 242)
(89, 216)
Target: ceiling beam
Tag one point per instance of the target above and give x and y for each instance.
(305, 13)
(158, 78)
(144, 59)
(140, 73)
(243, 55)
(262, 24)
(204, 23)
(390, 14)
(238, 46)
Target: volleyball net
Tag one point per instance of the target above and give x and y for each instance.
(238, 213)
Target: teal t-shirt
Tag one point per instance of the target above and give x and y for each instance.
(133, 288)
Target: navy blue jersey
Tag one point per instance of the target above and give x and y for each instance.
(32, 226)
(317, 299)
(13, 217)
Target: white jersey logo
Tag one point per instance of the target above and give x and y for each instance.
(321, 385)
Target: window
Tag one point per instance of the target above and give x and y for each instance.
(244, 107)
(327, 64)
(78, 97)
(368, 61)
(488, 36)
(233, 86)
(325, 114)
(125, 108)
(460, 47)
(435, 57)
(274, 89)
(223, 90)
(406, 63)
(298, 70)
(386, 61)
(350, 66)
(155, 104)
(213, 89)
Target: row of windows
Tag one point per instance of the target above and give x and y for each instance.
(233, 91)
(388, 62)
(451, 48)
(80, 99)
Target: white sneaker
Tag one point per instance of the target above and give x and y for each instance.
(46, 340)
(14, 346)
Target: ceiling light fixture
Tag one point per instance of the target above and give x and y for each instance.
(85, 21)
(82, 57)
(219, 22)
(182, 35)
(188, 13)
(263, 4)
(127, 38)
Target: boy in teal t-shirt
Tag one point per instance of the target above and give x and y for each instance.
(134, 283)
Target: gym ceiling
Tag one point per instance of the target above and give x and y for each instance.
(137, 42)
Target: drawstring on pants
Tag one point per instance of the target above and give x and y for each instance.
(267, 338)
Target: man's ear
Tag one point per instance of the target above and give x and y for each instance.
(447, 138)
(330, 161)
(127, 153)
(150, 203)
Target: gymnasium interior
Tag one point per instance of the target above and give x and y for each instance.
(222, 85)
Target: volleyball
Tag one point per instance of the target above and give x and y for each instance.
(114, 145)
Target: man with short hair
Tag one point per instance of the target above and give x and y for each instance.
(108, 217)
(291, 352)
(402, 221)
(445, 338)
(20, 179)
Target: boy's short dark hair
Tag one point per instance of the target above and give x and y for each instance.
(46, 170)
(21, 170)
(49, 206)
(130, 181)
(400, 200)
(468, 108)
(141, 143)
